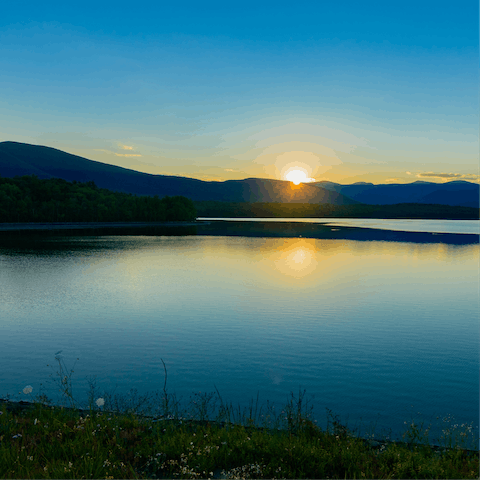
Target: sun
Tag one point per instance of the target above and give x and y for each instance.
(297, 176)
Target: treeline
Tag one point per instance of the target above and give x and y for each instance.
(308, 210)
(30, 199)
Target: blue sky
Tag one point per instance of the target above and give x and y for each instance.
(349, 91)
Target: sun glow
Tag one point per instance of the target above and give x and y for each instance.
(295, 257)
(298, 175)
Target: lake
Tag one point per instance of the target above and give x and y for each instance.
(375, 329)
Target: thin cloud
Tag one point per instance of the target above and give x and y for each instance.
(126, 147)
(448, 176)
(118, 154)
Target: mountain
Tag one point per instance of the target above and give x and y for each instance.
(455, 193)
(46, 162)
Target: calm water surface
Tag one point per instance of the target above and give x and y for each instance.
(405, 225)
(375, 331)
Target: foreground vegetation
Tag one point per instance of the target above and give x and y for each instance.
(55, 443)
(309, 210)
(114, 438)
(30, 199)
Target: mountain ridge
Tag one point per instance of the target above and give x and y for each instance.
(47, 162)
(455, 193)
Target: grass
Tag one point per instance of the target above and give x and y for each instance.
(130, 438)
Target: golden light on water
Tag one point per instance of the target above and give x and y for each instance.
(297, 258)
(305, 260)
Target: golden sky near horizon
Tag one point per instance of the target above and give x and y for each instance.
(374, 95)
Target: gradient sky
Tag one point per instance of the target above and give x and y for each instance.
(375, 91)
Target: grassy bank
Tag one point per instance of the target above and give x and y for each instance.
(58, 443)
(153, 437)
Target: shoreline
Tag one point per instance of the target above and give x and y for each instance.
(229, 227)
(22, 407)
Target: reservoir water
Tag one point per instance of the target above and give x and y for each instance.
(377, 331)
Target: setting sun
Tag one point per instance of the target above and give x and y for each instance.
(297, 176)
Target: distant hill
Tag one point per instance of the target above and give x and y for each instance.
(457, 193)
(45, 162)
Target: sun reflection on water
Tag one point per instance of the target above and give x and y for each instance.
(297, 258)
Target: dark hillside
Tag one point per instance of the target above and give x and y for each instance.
(30, 199)
(45, 162)
(456, 193)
